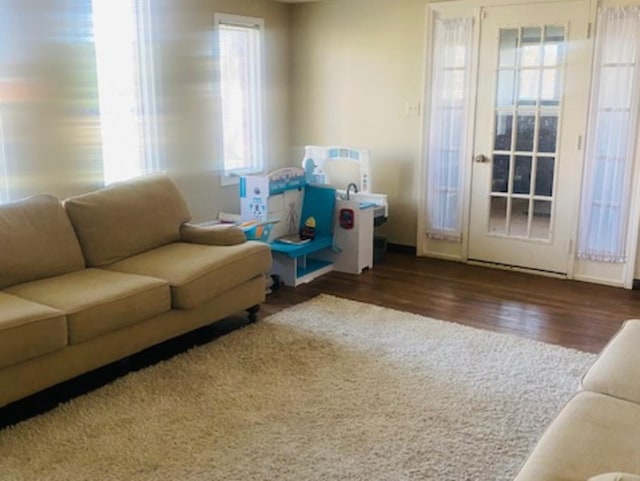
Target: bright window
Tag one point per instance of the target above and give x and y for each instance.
(125, 86)
(240, 66)
(447, 129)
(611, 144)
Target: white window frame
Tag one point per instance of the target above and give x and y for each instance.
(230, 174)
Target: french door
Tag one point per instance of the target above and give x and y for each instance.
(530, 119)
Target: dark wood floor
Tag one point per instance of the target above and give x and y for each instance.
(569, 313)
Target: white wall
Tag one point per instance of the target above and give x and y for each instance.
(355, 64)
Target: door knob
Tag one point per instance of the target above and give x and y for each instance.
(481, 158)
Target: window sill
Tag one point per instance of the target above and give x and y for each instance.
(234, 178)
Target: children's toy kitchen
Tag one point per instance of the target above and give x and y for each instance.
(311, 224)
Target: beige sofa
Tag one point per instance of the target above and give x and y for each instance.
(109, 273)
(596, 436)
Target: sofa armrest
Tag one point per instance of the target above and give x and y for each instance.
(219, 234)
(615, 477)
(616, 371)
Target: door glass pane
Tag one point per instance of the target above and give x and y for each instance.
(544, 176)
(541, 220)
(502, 139)
(530, 52)
(550, 89)
(519, 222)
(548, 132)
(553, 46)
(498, 215)
(508, 47)
(506, 88)
(525, 129)
(522, 175)
(528, 89)
(500, 177)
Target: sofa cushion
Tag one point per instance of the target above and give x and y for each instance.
(593, 434)
(36, 241)
(197, 273)
(98, 301)
(28, 330)
(617, 370)
(127, 218)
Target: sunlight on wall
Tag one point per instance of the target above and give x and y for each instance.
(4, 186)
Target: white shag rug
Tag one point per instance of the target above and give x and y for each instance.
(329, 389)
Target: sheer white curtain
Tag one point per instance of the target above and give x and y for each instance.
(612, 134)
(447, 127)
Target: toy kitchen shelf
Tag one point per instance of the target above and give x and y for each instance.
(284, 195)
(296, 264)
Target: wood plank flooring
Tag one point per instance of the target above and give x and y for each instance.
(568, 313)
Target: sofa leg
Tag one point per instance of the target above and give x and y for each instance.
(253, 313)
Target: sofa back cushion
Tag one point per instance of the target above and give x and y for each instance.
(36, 241)
(127, 218)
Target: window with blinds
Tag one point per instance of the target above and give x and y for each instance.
(239, 53)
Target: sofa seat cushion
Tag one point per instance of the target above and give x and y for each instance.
(617, 370)
(198, 273)
(97, 301)
(36, 241)
(28, 330)
(593, 434)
